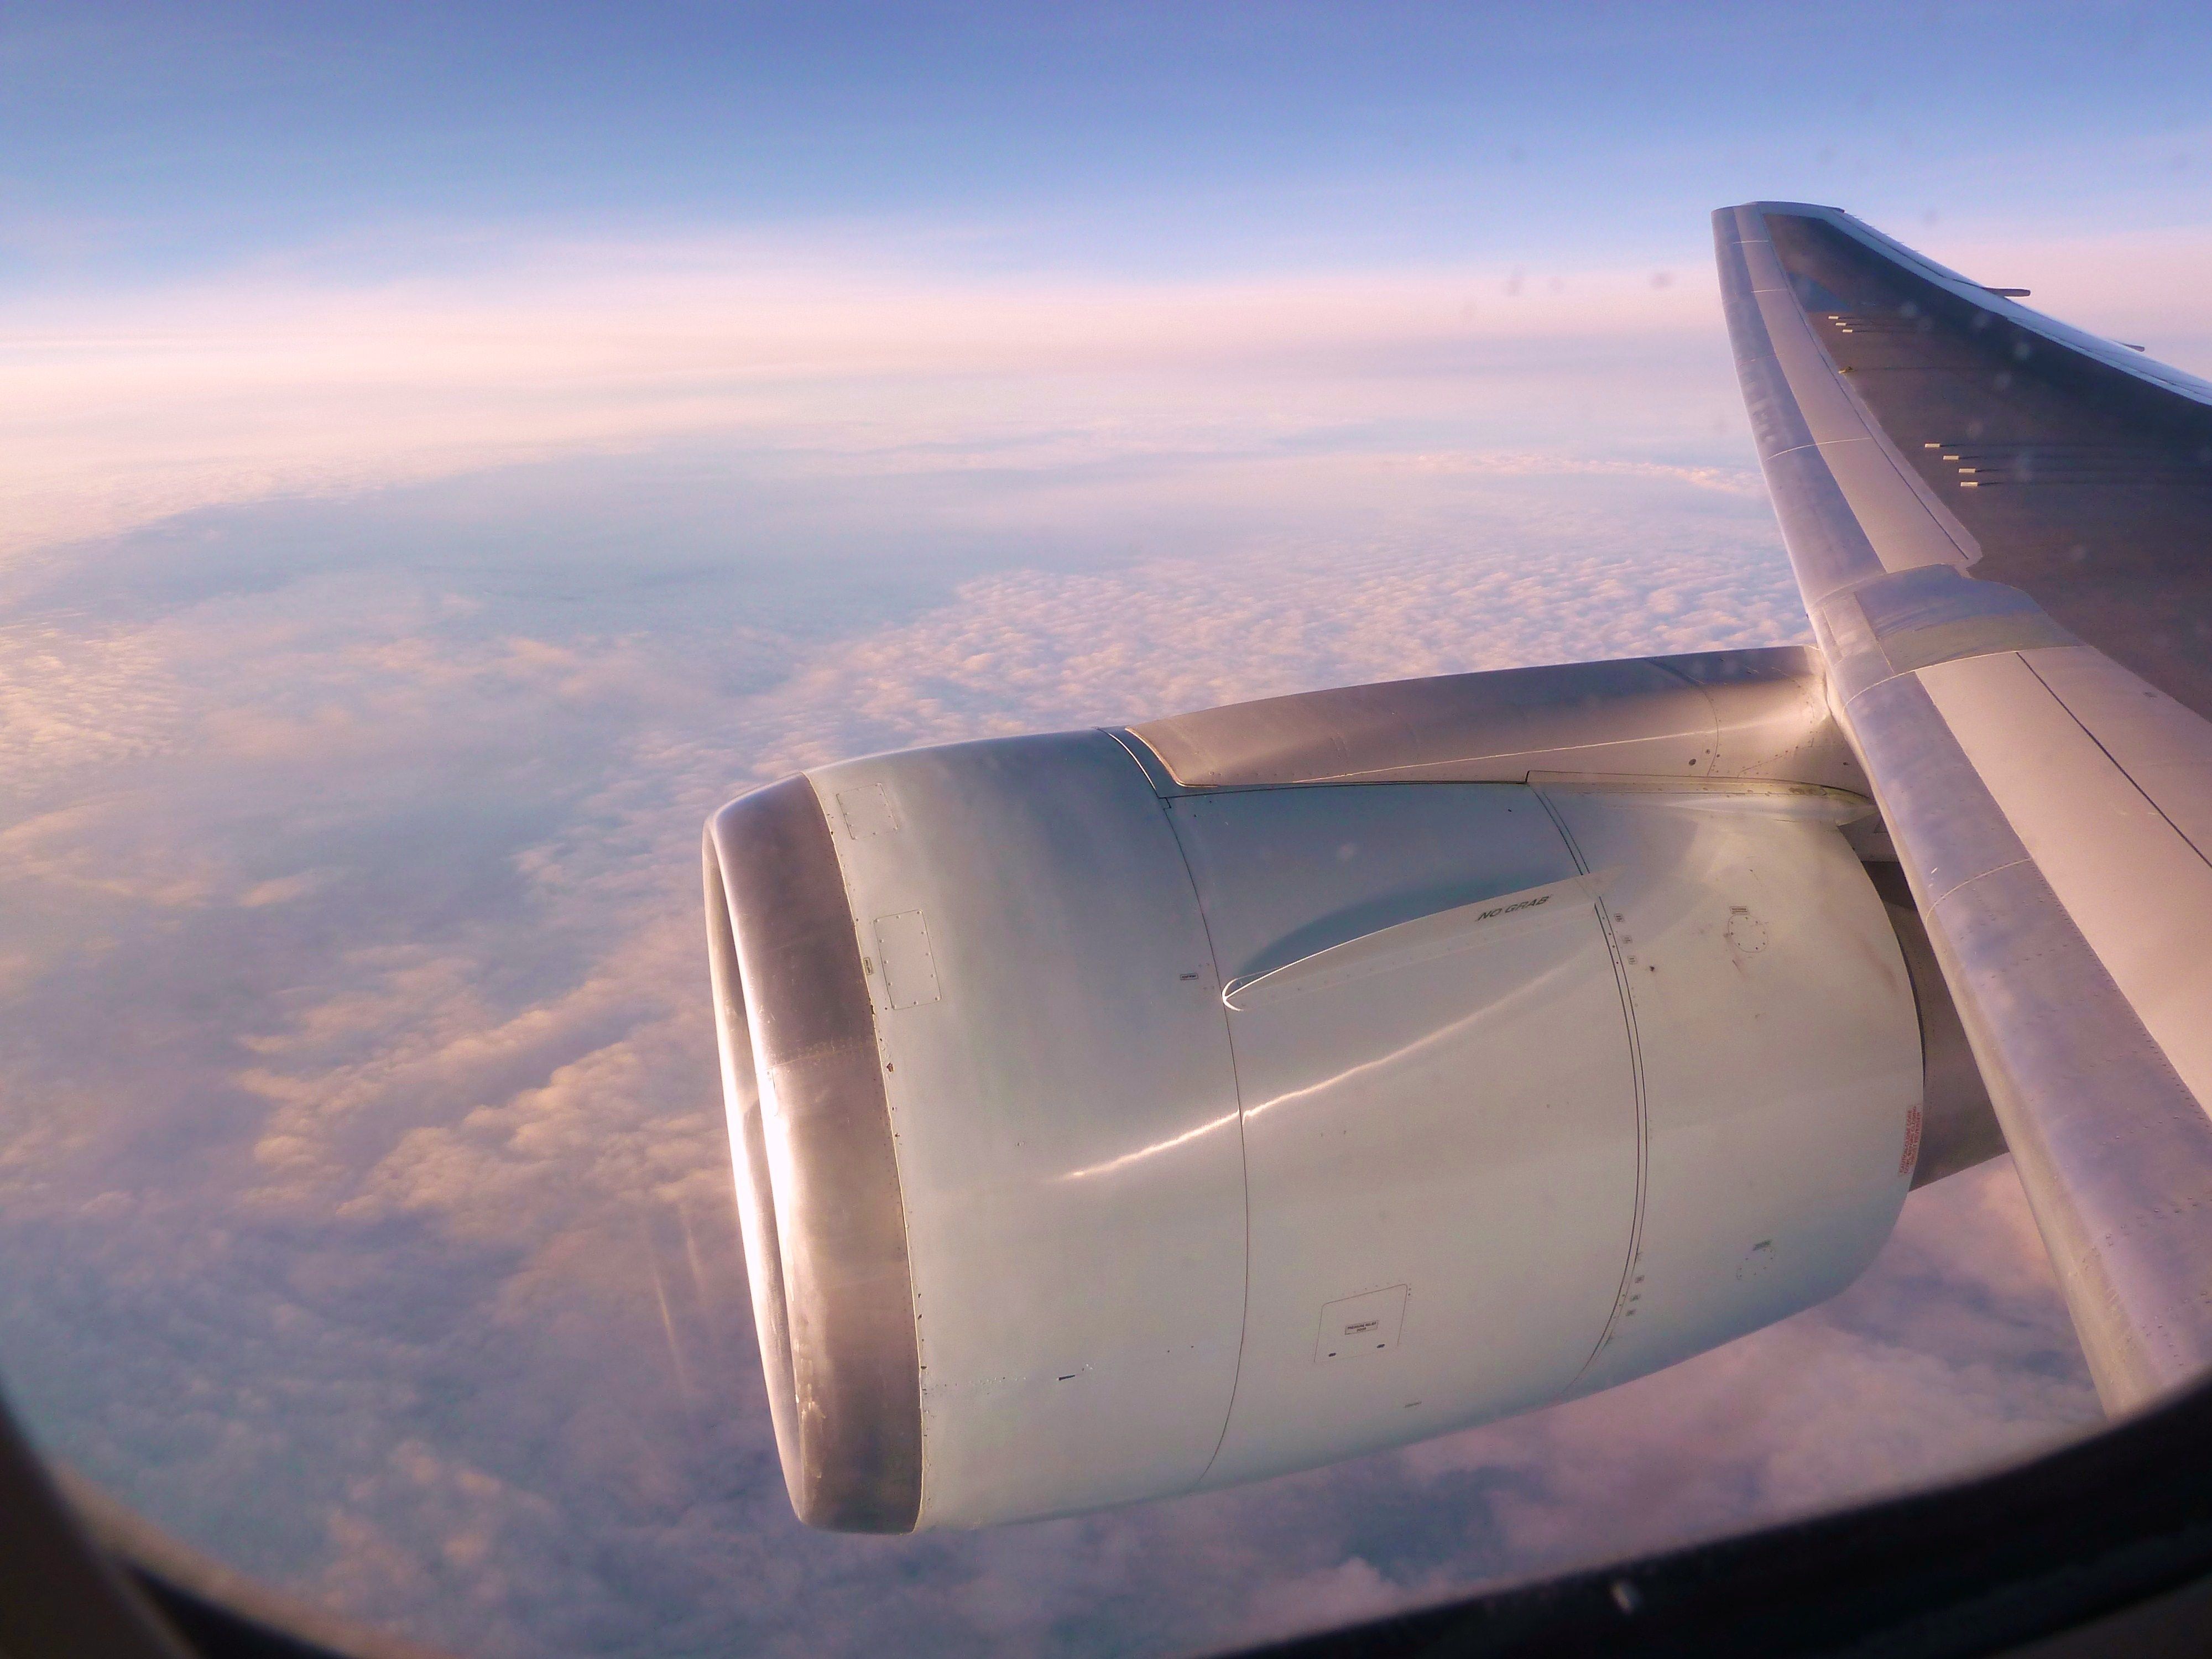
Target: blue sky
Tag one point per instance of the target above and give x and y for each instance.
(446, 452)
(145, 141)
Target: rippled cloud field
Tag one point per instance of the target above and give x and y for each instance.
(366, 1192)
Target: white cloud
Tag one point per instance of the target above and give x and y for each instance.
(364, 1164)
(125, 408)
(137, 407)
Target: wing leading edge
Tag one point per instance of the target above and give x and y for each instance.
(2001, 528)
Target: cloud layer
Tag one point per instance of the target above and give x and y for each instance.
(123, 409)
(363, 1172)
(872, 347)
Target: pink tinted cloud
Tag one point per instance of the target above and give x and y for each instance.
(139, 406)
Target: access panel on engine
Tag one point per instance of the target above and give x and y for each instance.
(1447, 1148)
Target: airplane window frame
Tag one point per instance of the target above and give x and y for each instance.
(2098, 1545)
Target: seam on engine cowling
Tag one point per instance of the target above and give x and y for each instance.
(1636, 1072)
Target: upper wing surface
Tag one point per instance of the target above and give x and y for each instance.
(2003, 530)
(2070, 467)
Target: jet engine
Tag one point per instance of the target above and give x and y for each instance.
(1126, 1113)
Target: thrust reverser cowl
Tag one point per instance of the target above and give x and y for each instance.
(1536, 1087)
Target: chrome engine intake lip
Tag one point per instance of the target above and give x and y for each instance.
(811, 1135)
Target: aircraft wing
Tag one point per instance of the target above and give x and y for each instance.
(2001, 527)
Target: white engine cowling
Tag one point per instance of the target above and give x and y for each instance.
(1099, 1139)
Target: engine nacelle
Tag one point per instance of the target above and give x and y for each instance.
(1099, 1140)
